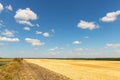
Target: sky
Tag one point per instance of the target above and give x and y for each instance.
(60, 28)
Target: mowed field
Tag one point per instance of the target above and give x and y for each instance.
(82, 69)
(19, 69)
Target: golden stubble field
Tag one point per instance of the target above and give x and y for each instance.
(19, 69)
(82, 69)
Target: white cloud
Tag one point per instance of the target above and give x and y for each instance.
(27, 28)
(5, 39)
(46, 34)
(79, 49)
(8, 33)
(26, 23)
(1, 7)
(111, 16)
(37, 25)
(87, 25)
(112, 45)
(24, 16)
(53, 49)
(38, 32)
(1, 23)
(86, 37)
(52, 30)
(77, 42)
(34, 42)
(9, 7)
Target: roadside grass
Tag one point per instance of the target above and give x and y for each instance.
(10, 71)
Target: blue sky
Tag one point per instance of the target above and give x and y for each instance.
(59, 28)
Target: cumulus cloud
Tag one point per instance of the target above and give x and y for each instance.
(38, 32)
(8, 33)
(5, 39)
(34, 42)
(9, 7)
(1, 7)
(46, 34)
(111, 16)
(26, 23)
(77, 42)
(27, 28)
(87, 25)
(24, 16)
(112, 45)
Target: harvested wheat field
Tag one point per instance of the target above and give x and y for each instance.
(21, 70)
(82, 69)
